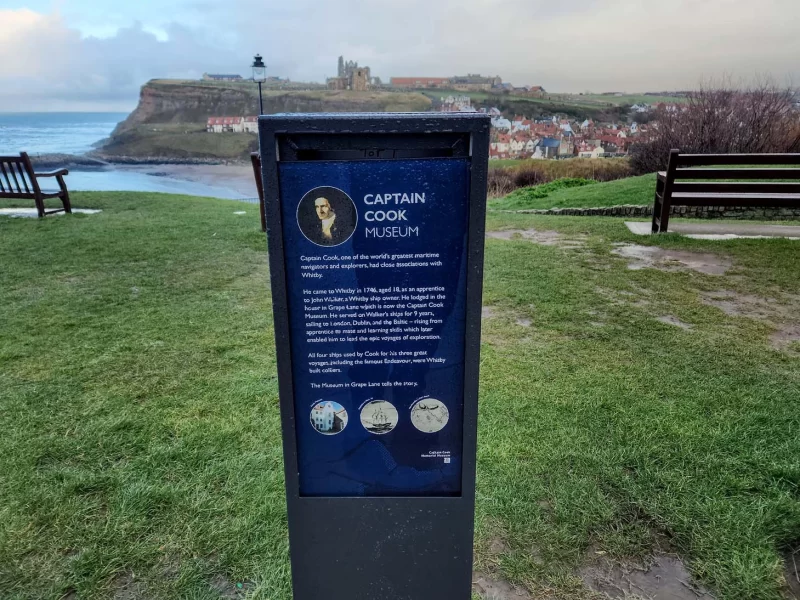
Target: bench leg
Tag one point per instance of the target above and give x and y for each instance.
(64, 195)
(39, 205)
(666, 205)
(656, 214)
(65, 201)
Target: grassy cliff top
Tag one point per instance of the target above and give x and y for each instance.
(589, 194)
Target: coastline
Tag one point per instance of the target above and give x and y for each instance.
(98, 160)
(237, 177)
(230, 179)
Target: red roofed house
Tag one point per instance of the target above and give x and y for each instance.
(225, 124)
(500, 147)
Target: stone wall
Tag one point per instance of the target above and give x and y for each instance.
(690, 212)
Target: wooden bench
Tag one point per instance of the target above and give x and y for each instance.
(19, 182)
(720, 180)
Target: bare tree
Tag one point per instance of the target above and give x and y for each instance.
(720, 119)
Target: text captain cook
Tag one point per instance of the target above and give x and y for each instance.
(388, 208)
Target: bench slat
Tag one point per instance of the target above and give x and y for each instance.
(14, 187)
(737, 174)
(731, 200)
(23, 178)
(738, 187)
(687, 160)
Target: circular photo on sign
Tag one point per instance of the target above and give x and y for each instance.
(379, 417)
(327, 216)
(429, 415)
(328, 417)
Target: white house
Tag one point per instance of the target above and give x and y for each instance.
(250, 124)
(232, 125)
(587, 152)
(516, 146)
(501, 123)
(322, 417)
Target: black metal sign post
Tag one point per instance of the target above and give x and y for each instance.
(376, 231)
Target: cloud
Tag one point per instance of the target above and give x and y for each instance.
(633, 45)
(598, 45)
(46, 65)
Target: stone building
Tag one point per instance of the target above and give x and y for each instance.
(350, 77)
(474, 82)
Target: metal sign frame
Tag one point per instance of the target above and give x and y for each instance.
(415, 548)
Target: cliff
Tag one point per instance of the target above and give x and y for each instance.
(170, 118)
(164, 101)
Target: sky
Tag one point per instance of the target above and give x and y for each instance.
(67, 55)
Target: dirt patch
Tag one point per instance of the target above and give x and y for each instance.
(663, 577)
(745, 305)
(497, 546)
(644, 257)
(229, 590)
(791, 573)
(126, 587)
(490, 588)
(489, 312)
(769, 310)
(785, 338)
(492, 312)
(543, 238)
(670, 320)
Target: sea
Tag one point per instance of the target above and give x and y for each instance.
(77, 133)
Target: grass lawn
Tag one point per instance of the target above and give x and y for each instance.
(140, 440)
(184, 140)
(629, 99)
(631, 190)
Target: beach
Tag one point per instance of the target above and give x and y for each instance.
(229, 181)
(238, 178)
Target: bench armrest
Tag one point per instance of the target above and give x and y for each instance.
(662, 175)
(53, 173)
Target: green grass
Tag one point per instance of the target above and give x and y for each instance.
(525, 197)
(139, 432)
(507, 162)
(631, 190)
(180, 141)
(626, 99)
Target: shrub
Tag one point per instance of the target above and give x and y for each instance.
(718, 119)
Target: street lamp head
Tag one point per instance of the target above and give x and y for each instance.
(259, 69)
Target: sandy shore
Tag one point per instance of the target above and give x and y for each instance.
(235, 177)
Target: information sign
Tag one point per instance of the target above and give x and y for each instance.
(375, 227)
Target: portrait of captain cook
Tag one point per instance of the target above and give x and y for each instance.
(332, 220)
(330, 233)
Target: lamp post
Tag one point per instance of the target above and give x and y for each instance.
(259, 76)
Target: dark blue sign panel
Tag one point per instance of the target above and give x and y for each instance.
(376, 257)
